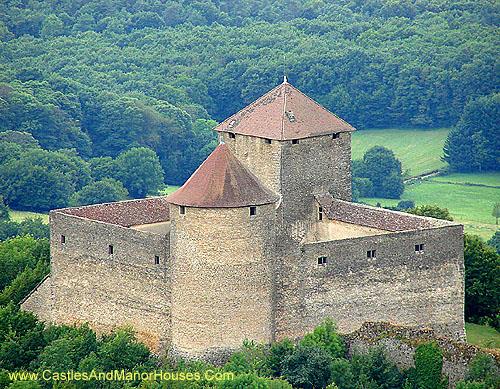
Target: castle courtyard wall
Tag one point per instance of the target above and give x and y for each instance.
(398, 286)
(125, 288)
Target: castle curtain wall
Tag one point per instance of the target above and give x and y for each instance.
(108, 290)
(398, 286)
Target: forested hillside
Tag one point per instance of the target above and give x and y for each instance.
(103, 76)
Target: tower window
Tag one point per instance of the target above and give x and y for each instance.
(295, 141)
(232, 135)
(322, 261)
(182, 210)
(253, 211)
(268, 141)
(419, 248)
(63, 239)
(111, 249)
(157, 260)
(371, 254)
(320, 213)
(336, 135)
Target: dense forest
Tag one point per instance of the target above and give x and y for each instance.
(103, 76)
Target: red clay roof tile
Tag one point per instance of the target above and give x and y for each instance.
(222, 182)
(284, 113)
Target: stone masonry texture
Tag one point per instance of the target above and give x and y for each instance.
(212, 277)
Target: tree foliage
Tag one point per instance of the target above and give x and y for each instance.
(431, 211)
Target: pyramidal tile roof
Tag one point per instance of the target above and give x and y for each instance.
(222, 181)
(284, 113)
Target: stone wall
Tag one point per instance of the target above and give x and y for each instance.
(399, 344)
(125, 288)
(39, 300)
(398, 286)
(222, 280)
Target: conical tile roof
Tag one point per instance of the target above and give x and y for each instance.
(222, 181)
(284, 113)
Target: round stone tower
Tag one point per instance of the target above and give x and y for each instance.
(221, 246)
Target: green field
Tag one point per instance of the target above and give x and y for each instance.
(470, 205)
(169, 189)
(21, 215)
(418, 150)
(483, 336)
(488, 179)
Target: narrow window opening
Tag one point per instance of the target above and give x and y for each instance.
(157, 260)
(322, 261)
(253, 211)
(336, 135)
(419, 248)
(371, 254)
(182, 210)
(232, 135)
(320, 213)
(111, 249)
(295, 141)
(63, 239)
(268, 141)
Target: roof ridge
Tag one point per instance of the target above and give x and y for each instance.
(321, 106)
(247, 107)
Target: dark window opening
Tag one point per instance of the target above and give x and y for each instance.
(253, 211)
(419, 248)
(232, 135)
(157, 260)
(111, 250)
(322, 260)
(295, 141)
(335, 135)
(371, 254)
(63, 239)
(182, 210)
(268, 141)
(320, 213)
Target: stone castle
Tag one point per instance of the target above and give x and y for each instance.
(261, 243)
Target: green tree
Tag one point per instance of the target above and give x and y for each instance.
(52, 26)
(24, 283)
(308, 367)
(278, 352)
(474, 143)
(431, 211)
(483, 369)
(140, 171)
(326, 337)
(428, 360)
(482, 279)
(496, 212)
(495, 241)
(105, 191)
(4, 211)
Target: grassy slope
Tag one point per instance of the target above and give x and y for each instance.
(489, 179)
(470, 205)
(483, 336)
(169, 189)
(21, 215)
(419, 150)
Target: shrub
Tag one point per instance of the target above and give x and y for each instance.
(428, 367)
(308, 367)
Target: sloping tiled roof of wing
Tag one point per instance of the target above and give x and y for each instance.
(222, 182)
(284, 113)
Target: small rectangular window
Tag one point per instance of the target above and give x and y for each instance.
(232, 135)
(322, 261)
(268, 141)
(371, 253)
(111, 250)
(335, 135)
(295, 141)
(63, 239)
(157, 260)
(419, 248)
(253, 211)
(320, 213)
(182, 210)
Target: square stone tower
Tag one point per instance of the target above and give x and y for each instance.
(296, 147)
